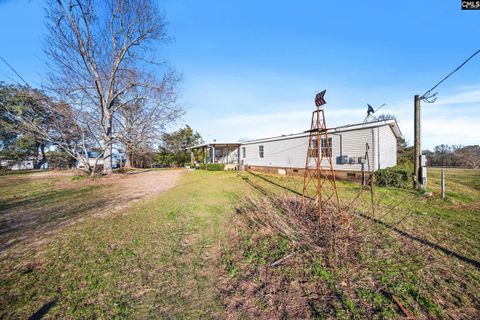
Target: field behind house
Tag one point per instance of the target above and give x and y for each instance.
(163, 248)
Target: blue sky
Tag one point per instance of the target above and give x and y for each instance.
(251, 68)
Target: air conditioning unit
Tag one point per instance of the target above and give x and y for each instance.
(343, 159)
(361, 160)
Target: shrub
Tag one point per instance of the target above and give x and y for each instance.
(215, 166)
(211, 166)
(398, 176)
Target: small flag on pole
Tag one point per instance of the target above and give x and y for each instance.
(319, 101)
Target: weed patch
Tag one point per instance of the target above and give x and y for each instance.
(285, 262)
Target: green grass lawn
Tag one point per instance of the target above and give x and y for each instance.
(153, 260)
(29, 203)
(161, 257)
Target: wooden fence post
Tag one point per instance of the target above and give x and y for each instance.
(443, 184)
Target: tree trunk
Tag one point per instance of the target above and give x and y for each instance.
(43, 160)
(107, 159)
(128, 157)
(107, 154)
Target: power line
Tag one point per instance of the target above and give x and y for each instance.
(13, 80)
(5, 61)
(430, 98)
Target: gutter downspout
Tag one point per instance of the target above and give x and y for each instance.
(378, 146)
(374, 149)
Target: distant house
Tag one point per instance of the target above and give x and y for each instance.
(287, 154)
(92, 157)
(23, 165)
(28, 164)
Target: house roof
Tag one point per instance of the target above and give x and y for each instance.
(215, 144)
(350, 127)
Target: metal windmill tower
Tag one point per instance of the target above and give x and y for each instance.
(319, 178)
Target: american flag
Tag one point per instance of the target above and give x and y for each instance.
(319, 98)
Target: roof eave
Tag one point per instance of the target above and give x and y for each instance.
(206, 145)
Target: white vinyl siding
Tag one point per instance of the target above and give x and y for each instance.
(354, 145)
(279, 153)
(387, 147)
(291, 152)
(288, 153)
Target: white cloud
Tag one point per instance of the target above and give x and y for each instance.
(452, 119)
(467, 97)
(443, 130)
(277, 123)
(233, 108)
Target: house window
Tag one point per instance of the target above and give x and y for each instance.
(244, 152)
(313, 148)
(326, 150)
(260, 151)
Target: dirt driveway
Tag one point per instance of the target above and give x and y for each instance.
(32, 206)
(125, 189)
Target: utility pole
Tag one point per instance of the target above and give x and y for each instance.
(420, 174)
(417, 146)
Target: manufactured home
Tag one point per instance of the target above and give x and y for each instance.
(287, 154)
(91, 159)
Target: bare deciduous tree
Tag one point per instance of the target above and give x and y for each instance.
(468, 156)
(100, 52)
(385, 116)
(142, 121)
(52, 122)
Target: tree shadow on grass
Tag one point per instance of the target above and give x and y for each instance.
(43, 310)
(45, 212)
(424, 242)
(42, 198)
(275, 184)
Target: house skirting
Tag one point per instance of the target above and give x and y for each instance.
(339, 174)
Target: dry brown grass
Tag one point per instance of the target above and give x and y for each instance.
(285, 261)
(329, 235)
